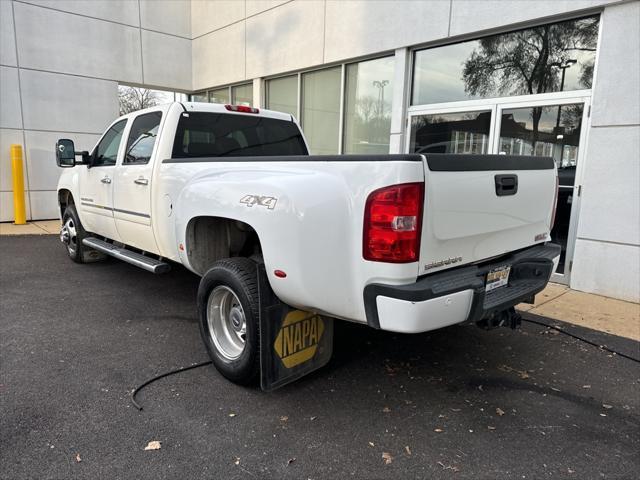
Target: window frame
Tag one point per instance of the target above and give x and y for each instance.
(94, 152)
(229, 88)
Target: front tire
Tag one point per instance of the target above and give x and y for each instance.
(71, 235)
(228, 312)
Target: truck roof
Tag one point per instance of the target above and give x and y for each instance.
(221, 108)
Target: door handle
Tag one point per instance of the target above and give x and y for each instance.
(141, 181)
(506, 185)
(106, 180)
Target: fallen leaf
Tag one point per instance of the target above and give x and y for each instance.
(313, 418)
(237, 461)
(524, 375)
(586, 386)
(78, 459)
(499, 412)
(490, 427)
(284, 418)
(232, 414)
(438, 430)
(154, 445)
(290, 461)
(607, 406)
(407, 449)
(386, 409)
(371, 444)
(386, 456)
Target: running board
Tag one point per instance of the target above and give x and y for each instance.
(147, 263)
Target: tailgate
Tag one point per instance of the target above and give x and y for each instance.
(482, 206)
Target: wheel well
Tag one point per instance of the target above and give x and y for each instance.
(209, 239)
(65, 198)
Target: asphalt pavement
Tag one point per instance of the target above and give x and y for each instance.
(456, 403)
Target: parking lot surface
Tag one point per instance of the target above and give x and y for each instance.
(455, 403)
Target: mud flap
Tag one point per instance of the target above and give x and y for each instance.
(293, 342)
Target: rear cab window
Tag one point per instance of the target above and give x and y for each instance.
(205, 134)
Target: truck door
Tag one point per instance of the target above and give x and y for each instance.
(133, 183)
(96, 184)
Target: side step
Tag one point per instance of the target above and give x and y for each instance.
(147, 263)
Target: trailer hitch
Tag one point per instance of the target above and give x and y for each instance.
(506, 318)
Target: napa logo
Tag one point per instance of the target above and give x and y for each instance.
(298, 338)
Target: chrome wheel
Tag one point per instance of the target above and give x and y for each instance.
(227, 322)
(69, 236)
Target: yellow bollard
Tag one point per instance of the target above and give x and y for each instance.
(18, 185)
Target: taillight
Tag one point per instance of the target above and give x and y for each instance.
(555, 204)
(241, 108)
(392, 220)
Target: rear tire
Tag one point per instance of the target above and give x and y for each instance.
(228, 311)
(71, 235)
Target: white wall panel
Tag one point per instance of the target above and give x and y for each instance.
(610, 208)
(166, 60)
(41, 158)
(256, 6)
(7, 35)
(607, 269)
(59, 102)
(60, 42)
(617, 88)
(6, 206)
(168, 16)
(363, 27)
(121, 11)
(10, 115)
(285, 38)
(474, 16)
(44, 205)
(207, 16)
(219, 57)
(7, 138)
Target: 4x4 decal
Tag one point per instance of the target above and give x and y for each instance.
(261, 201)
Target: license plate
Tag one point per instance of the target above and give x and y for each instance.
(496, 278)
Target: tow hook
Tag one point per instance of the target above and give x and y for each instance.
(506, 318)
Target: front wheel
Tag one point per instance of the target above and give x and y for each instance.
(71, 235)
(228, 311)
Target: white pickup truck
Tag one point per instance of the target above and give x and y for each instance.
(404, 243)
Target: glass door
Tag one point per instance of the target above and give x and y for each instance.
(550, 126)
(550, 130)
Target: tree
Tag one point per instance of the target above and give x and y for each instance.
(530, 61)
(134, 98)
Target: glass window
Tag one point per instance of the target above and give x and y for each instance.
(463, 132)
(200, 97)
(367, 113)
(321, 110)
(202, 134)
(106, 152)
(549, 58)
(282, 94)
(242, 94)
(142, 138)
(220, 95)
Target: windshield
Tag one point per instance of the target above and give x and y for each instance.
(202, 134)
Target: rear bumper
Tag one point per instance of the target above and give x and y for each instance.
(458, 295)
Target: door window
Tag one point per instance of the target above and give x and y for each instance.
(461, 132)
(106, 152)
(142, 138)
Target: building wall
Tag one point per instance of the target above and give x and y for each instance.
(60, 65)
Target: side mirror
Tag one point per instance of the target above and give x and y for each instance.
(65, 153)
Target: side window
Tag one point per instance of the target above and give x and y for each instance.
(142, 138)
(106, 152)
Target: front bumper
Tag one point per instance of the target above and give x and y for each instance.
(458, 295)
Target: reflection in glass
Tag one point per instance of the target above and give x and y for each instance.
(367, 115)
(220, 95)
(552, 131)
(242, 94)
(282, 94)
(321, 110)
(549, 58)
(463, 132)
(200, 97)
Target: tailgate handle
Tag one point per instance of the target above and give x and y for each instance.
(506, 185)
